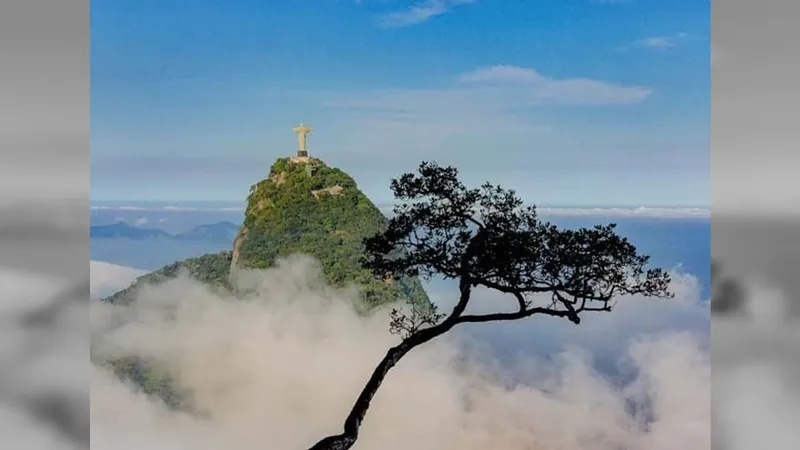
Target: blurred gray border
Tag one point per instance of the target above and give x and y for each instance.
(755, 156)
(44, 222)
(755, 72)
(44, 136)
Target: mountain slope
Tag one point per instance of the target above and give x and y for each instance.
(211, 269)
(310, 208)
(303, 207)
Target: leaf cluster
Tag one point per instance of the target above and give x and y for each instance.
(488, 237)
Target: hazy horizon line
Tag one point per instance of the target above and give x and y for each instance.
(601, 210)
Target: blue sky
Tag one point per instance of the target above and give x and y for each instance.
(571, 102)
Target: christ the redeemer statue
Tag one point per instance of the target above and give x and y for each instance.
(302, 131)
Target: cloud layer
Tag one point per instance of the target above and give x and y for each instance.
(487, 98)
(658, 42)
(109, 278)
(419, 12)
(567, 91)
(281, 371)
(487, 107)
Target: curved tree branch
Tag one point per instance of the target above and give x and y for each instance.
(509, 251)
(352, 423)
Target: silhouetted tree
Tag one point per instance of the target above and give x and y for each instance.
(488, 237)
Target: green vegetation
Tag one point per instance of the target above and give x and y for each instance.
(151, 381)
(312, 209)
(301, 208)
(211, 269)
(487, 237)
(306, 208)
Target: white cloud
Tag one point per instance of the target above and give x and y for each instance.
(537, 88)
(491, 90)
(107, 278)
(419, 12)
(479, 104)
(606, 335)
(503, 74)
(659, 42)
(141, 221)
(288, 364)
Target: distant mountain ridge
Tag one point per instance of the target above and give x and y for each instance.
(223, 231)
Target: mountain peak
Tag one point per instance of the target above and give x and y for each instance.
(301, 207)
(317, 210)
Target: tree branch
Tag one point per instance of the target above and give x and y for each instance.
(511, 252)
(498, 317)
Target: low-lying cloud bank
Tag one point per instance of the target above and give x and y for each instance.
(280, 371)
(109, 278)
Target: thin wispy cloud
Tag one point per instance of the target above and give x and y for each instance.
(498, 102)
(419, 12)
(658, 42)
(538, 88)
(107, 278)
(495, 91)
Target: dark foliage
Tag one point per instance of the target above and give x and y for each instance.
(285, 217)
(488, 237)
(211, 269)
(318, 210)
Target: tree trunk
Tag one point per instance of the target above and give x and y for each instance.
(352, 424)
